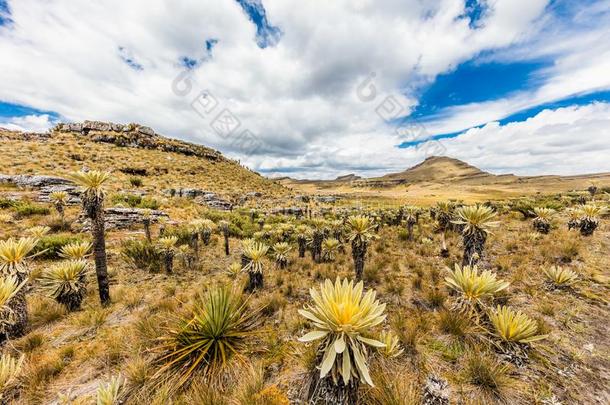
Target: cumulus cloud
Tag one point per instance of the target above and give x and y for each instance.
(296, 91)
(28, 123)
(568, 141)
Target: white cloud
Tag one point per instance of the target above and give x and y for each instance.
(29, 123)
(299, 97)
(566, 141)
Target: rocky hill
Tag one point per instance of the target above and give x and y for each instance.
(135, 154)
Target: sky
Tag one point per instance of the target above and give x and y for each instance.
(318, 89)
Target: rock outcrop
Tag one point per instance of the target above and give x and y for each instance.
(34, 181)
(296, 211)
(125, 218)
(202, 197)
(136, 136)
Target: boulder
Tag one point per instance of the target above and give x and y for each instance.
(96, 126)
(146, 130)
(296, 211)
(327, 198)
(125, 218)
(35, 181)
(44, 195)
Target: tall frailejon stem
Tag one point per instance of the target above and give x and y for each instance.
(93, 207)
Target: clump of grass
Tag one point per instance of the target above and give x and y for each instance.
(50, 246)
(142, 255)
(491, 377)
(204, 342)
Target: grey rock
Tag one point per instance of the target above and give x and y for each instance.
(72, 191)
(35, 181)
(124, 218)
(97, 126)
(436, 391)
(146, 130)
(296, 211)
(327, 198)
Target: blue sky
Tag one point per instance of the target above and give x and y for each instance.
(481, 78)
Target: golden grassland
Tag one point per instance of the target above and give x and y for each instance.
(68, 355)
(63, 153)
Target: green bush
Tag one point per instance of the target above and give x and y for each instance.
(142, 255)
(26, 209)
(50, 245)
(135, 201)
(135, 181)
(7, 203)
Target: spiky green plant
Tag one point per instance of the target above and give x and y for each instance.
(10, 370)
(319, 228)
(110, 393)
(92, 198)
(167, 245)
(411, 214)
(542, 220)
(573, 218)
(476, 222)
(204, 342)
(225, 228)
(14, 255)
(234, 269)
(330, 246)
(67, 283)
(589, 218)
(281, 250)
(392, 345)
(9, 288)
(342, 317)
(38, 231)
(205, 227)
(360, 233)
(59, 199)
(561, 276)
(75, 250)
(303, 232)
(514, 326)
(255, 253)
(473, 286)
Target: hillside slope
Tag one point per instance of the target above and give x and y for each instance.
(161, 163)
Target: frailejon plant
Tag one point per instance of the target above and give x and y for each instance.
(66, 283)
(392, 345)
(167, 246)
(302, 233)
(319, 228)
(561, 277)
(110, 393)
(281, 250)
(255, 253)
(14, 255)
(226, 232)
(443, 212)
(473, 287)
(92, 198)
(10, 370)
(330, 246)
(9, 288)
(411, 215)
(59, 199)
(205, 342)
(542, 221)
(514, 326)
(75, 250)
(342, 317)
(476, 222)
(589, 218)
(39, 231)
(360, 233)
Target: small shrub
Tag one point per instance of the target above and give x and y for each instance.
(142, 255)
(135, 181)
(49, 247)
(27, 209)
